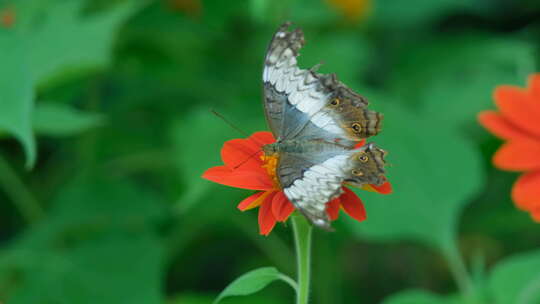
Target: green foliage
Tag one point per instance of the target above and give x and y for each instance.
(513, 280)
(417, 12)
(84, 42)
(203, 145)
(517, 279)
(253, 282)
(431, 199)
(208, 299)
(31, 59)
(120, 96)
(62, 120)
(418, 297)
(348, 52)
(98, 244)
(476, 63)
(17, 94)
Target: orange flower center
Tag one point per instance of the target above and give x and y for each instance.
(270, 164)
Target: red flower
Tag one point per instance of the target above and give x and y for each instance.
(247, 167)
(518, 122)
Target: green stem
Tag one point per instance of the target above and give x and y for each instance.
(302, 240)
(25, 202)
(460, 273)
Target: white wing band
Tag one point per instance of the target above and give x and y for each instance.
(301, 88)
(320, 184)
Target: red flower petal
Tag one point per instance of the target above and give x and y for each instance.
(353, 205)
(526, 191)
(385, 188)
(281, 207)
(499, 125)
(267, 221)
(252, 201)
(518, 155)
(536, 215)
(517, 106)
(252, 180)
(245, 153)
(242, 154)
(368, 187)
(534, 87)
(332, 208)
(263, 138)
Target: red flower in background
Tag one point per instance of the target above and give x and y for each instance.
(189, 7)
(7, 17)
(352, 10)
(247, 167)
(518, 122)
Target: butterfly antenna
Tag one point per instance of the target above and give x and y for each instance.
(241, 132)
(229, 123)
(246, 160)
(234, 126)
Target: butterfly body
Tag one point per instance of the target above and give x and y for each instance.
(317, 121)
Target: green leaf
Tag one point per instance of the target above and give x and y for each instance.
(253, 282)
(516, 280)
(454, 78)
(419, 297)
(98, 242)
(434, 173)
(16, 94)
(191, 298)
(69, 42)
(62, 120)
(110, 267)
(56, 44)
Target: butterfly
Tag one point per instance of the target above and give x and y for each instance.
(317, 122)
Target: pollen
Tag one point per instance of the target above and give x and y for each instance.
(270, 164)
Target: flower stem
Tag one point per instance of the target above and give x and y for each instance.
(460, 273)
(302, 240)
(21, 197)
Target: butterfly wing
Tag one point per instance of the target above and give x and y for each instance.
(303, 104)
(317, 119)
(315, 174)
(280, 66)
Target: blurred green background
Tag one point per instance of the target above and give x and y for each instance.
(106, 128)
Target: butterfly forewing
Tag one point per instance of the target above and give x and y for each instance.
(301, 103)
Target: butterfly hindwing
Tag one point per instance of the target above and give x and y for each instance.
(312, 174)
